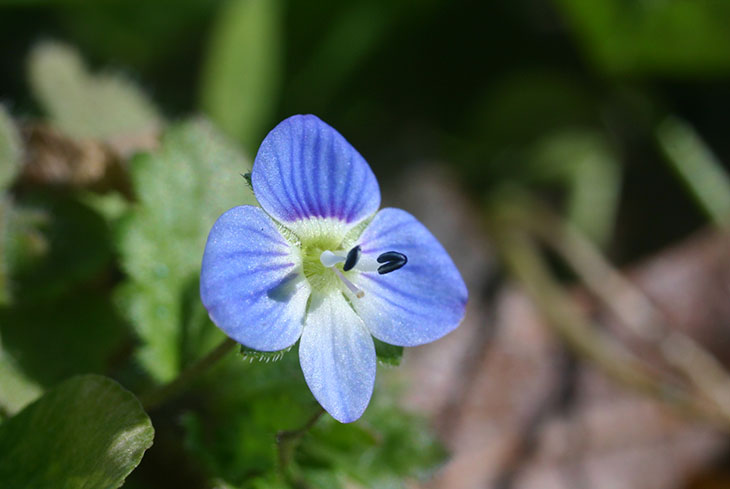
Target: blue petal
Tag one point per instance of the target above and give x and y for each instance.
(250, 281)
(418, 303)
(305, 169)
(337, 356)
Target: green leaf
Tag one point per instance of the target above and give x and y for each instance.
(111, 205)
(88, 432)
(241, 76)
(385, 448)
(10, 149)
(233, 433)
(181, 190)
(84, 105)
(388, 354)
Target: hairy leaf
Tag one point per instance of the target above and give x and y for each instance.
(234, 433)
(385, 449)
(106, 106)
(181, 190)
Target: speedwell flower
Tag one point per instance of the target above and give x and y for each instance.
(318, 263)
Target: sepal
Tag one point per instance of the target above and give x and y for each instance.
(388, 355)
(262, 356)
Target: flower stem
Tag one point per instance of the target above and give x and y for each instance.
(153, 399)
(286, 442)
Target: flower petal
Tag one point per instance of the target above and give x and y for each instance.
(337, 356)
(250, 281)
(418, 303)
(305, 169)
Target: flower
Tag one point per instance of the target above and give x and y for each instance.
(318, 263)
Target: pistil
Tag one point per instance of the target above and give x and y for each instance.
(329, 259)
(359, 293)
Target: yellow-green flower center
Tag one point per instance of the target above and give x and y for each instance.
(323, 246)
(321, 278)
(316, 236)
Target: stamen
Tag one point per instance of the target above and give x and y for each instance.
(392, 261)
(329, 259)
(353, 288)
(353, 256)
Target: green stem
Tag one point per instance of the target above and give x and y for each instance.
(159, 396)
(286, 442)
(698, 168)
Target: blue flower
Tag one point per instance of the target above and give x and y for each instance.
(318, 263)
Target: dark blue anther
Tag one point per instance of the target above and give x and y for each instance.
(353, 256)
(392, 261)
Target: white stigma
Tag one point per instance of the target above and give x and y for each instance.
(329, 260)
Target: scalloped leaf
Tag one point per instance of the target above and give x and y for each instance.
(181, 190)
(85, 105)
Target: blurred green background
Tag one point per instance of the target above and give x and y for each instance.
(613, 111)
